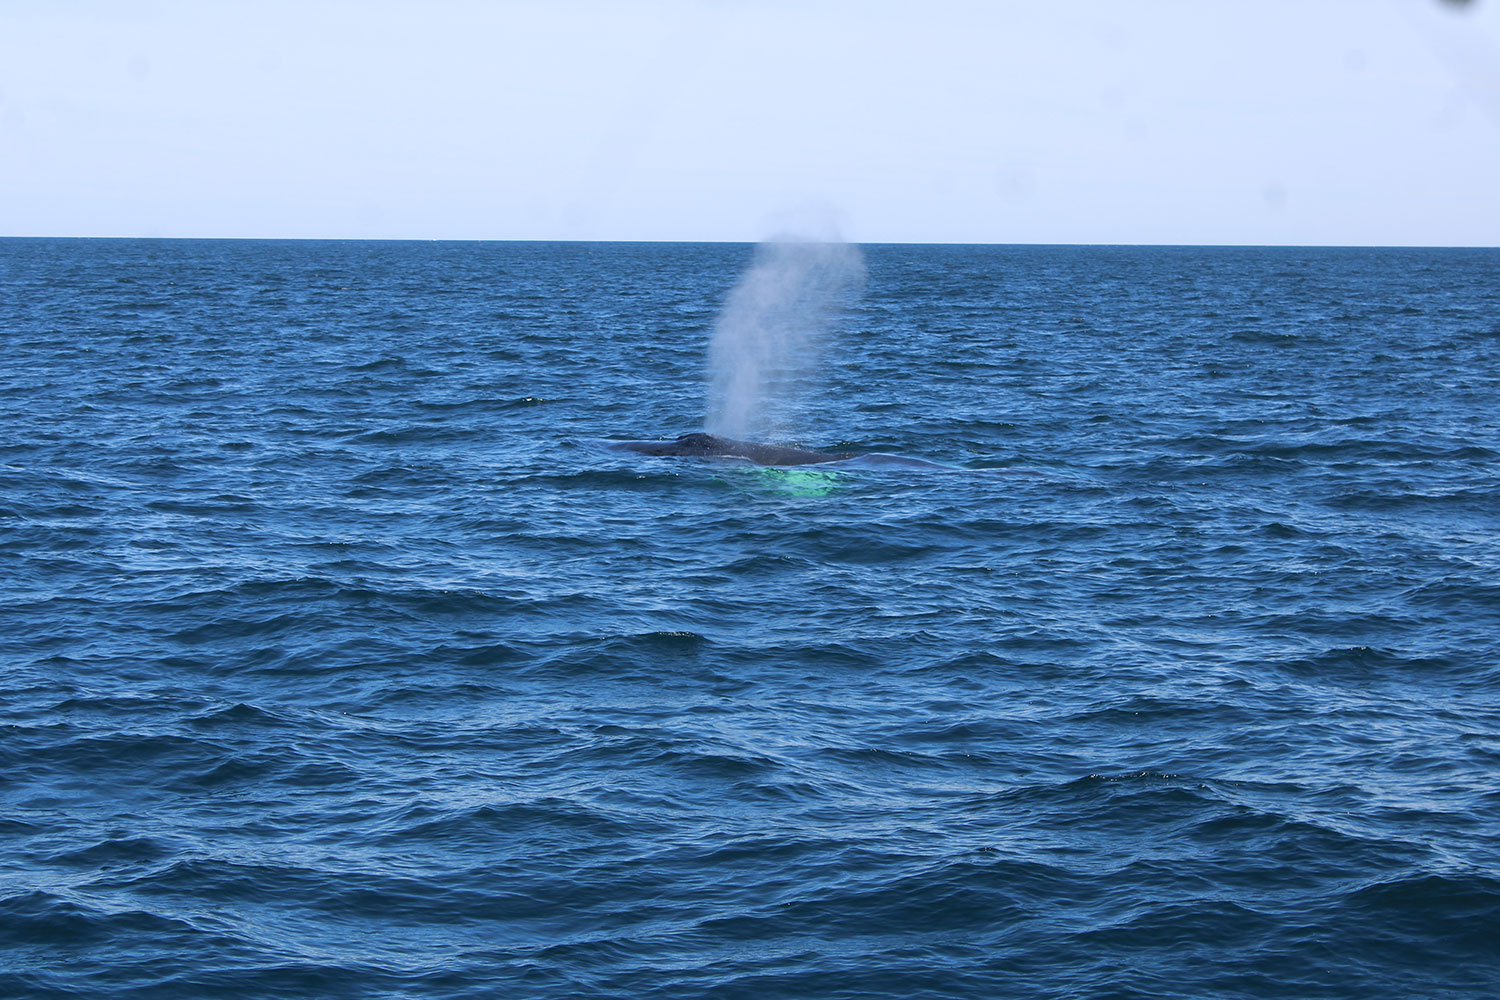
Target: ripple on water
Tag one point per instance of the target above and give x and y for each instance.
(355, 662)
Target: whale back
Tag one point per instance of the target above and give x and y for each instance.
(702, 445)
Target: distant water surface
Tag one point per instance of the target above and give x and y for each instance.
(343, 657)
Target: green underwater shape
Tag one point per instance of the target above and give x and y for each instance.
(802, 482)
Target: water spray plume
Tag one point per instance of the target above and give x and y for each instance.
(768, 339)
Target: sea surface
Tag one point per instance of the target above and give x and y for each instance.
(343, 656)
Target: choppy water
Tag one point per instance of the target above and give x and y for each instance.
(342, 659)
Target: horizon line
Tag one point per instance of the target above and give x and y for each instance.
(738, 242)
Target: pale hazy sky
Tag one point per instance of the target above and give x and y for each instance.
(1091, 121)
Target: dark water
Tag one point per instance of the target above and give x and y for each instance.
(341, 659)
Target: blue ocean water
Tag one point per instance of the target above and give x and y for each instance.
(343, 657)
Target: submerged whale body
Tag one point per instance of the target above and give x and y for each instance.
(700, 445)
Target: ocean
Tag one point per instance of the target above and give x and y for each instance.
(345, 656)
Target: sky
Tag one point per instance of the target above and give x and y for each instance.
(1347, 122)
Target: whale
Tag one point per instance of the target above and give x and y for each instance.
(701, 445)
